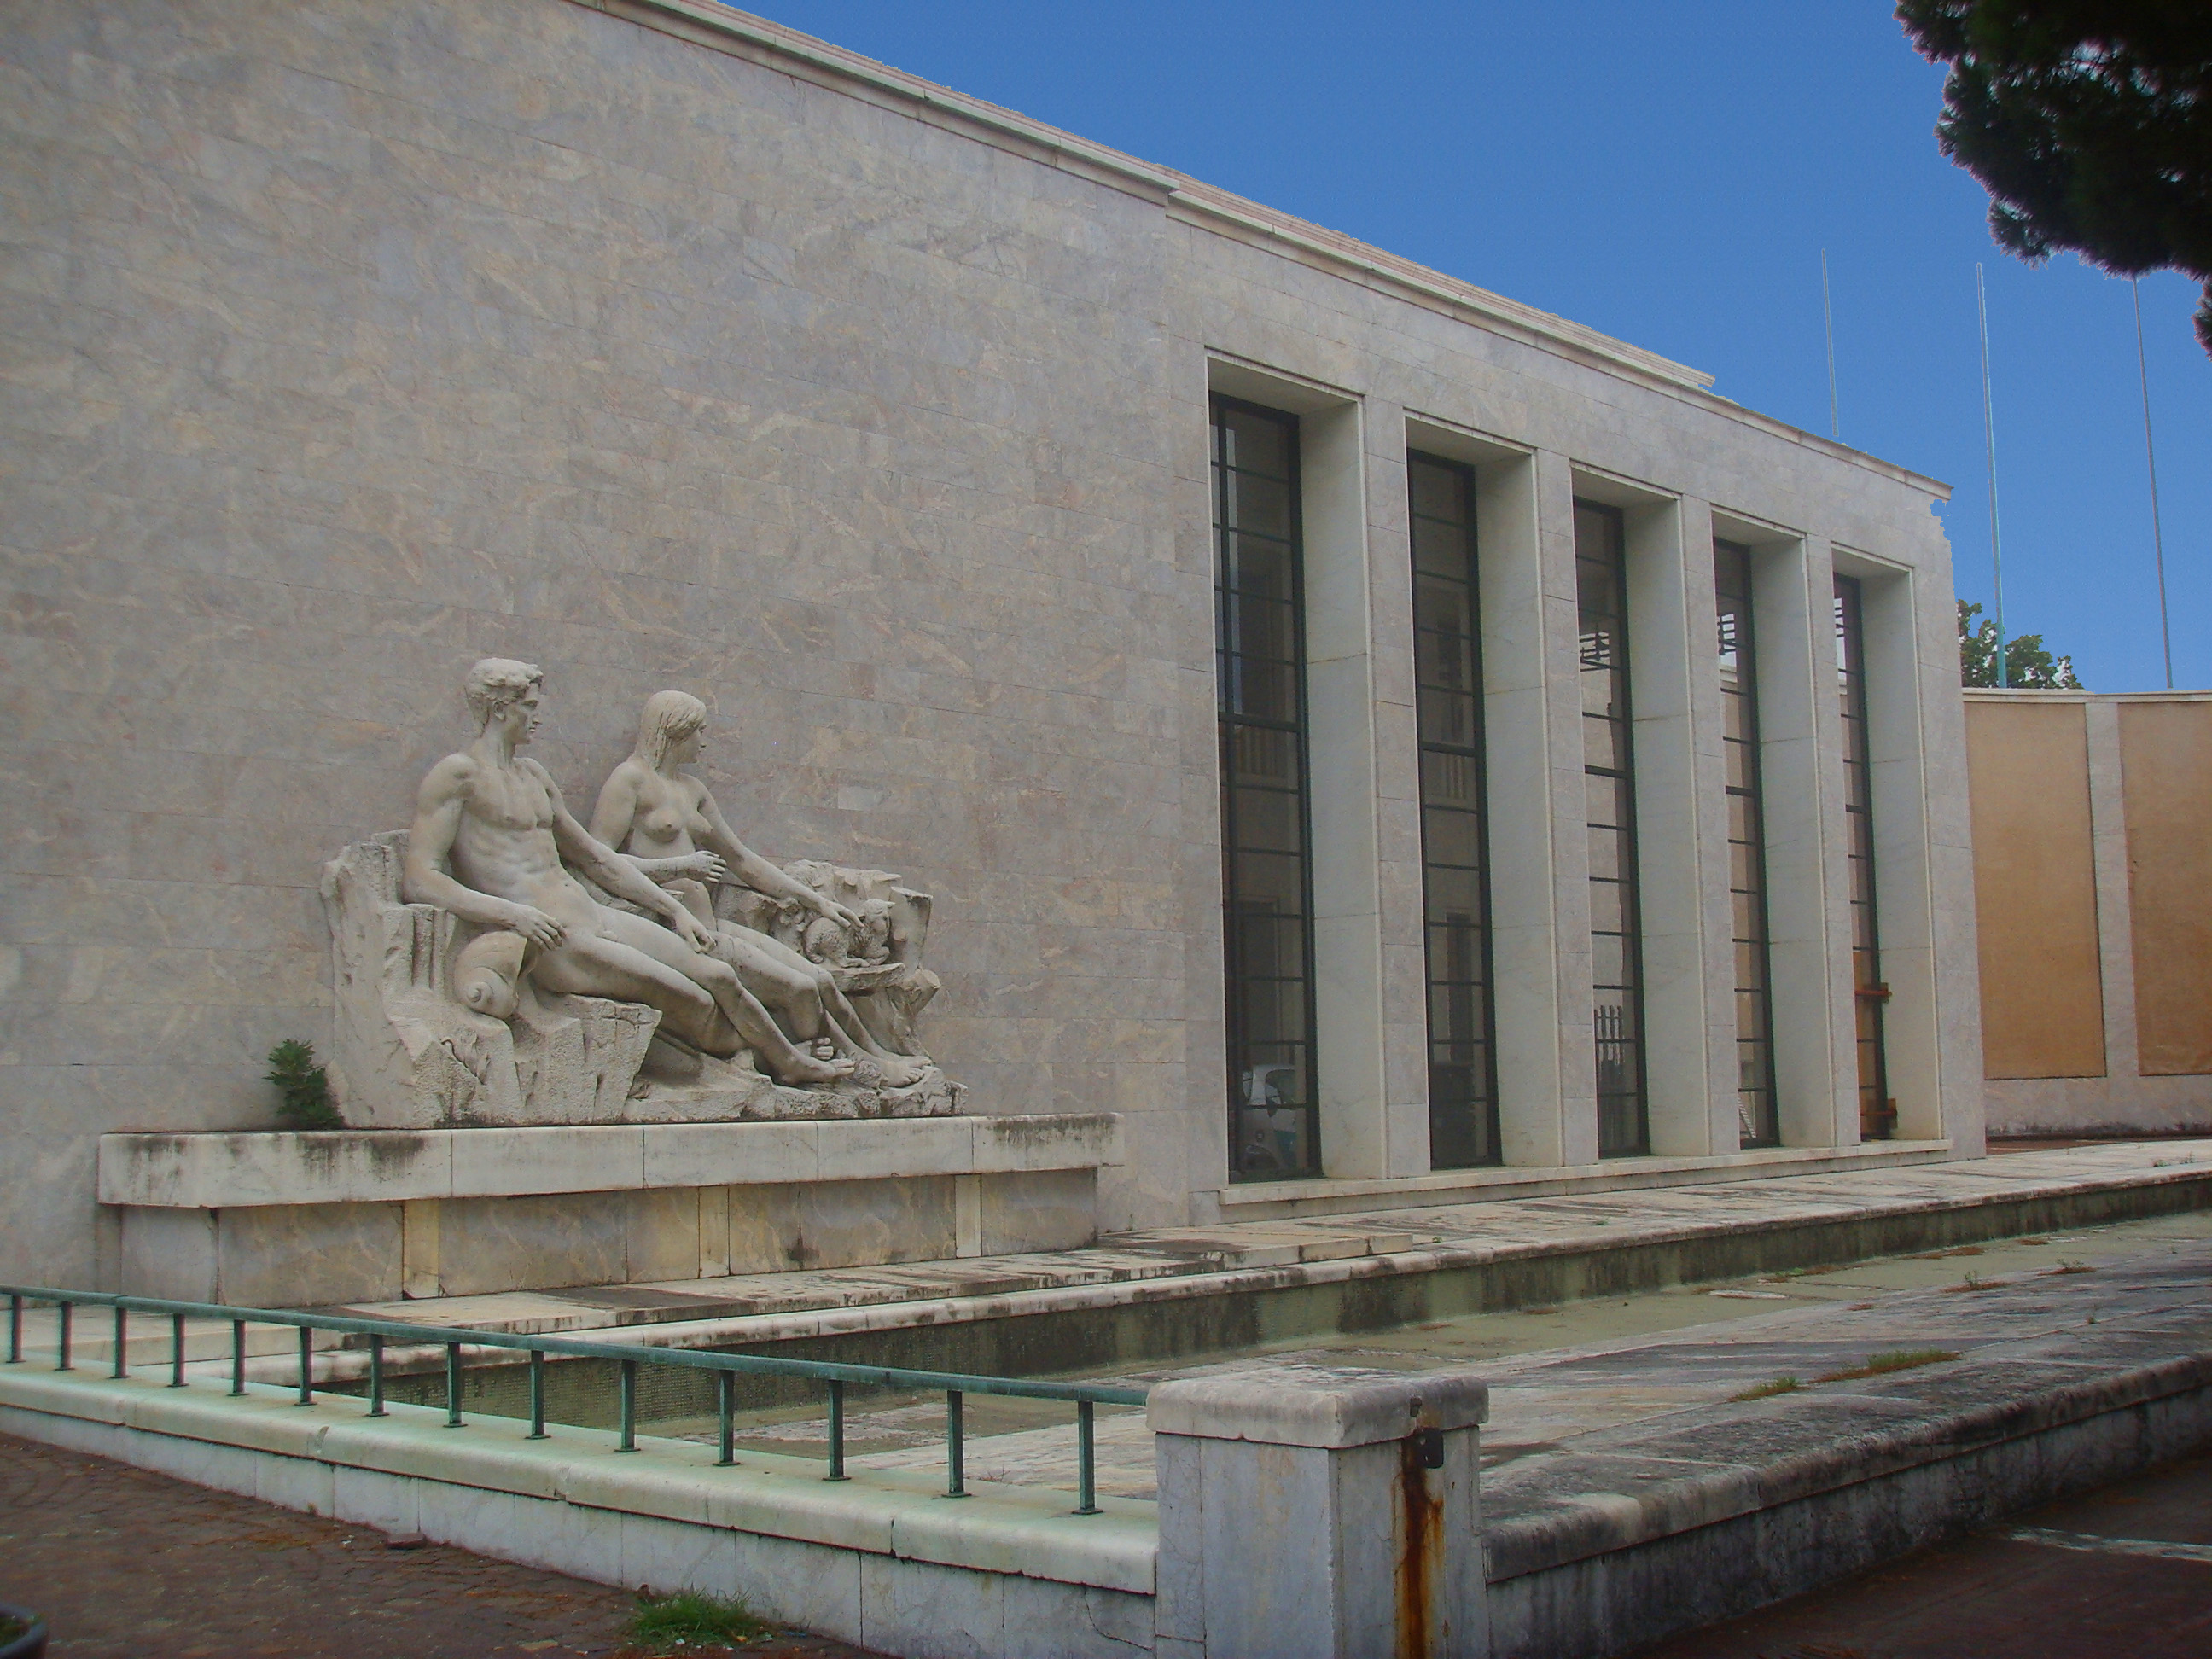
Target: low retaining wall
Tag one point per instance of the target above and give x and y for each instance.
(880, 1560)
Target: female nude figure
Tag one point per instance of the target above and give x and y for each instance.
(490, 838)
(668, 823)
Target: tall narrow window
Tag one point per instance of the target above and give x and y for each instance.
(1454, 883)
(1757, 1122)
(1616, 948)
(1877, 1112)
(1267, 883)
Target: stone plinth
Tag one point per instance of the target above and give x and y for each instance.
(1314, 1513)
(289, 1218)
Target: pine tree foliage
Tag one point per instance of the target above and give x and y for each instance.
(2027, 663)
(303, 1088)
(2089, 122)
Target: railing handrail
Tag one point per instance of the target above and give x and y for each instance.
(700, 1358)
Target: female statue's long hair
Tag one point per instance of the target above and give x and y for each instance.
(669, 718)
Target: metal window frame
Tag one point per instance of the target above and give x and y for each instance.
(1487, 1106)
(1225, 722)
(1747, 684)
(1632, 910)
(1868, 999)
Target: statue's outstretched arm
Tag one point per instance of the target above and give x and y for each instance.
(756, 872)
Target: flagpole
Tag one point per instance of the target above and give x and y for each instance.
(1828, 316)
(2150, 459)
(1990, 441)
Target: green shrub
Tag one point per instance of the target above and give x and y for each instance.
(669, 1624)
(303, 1088)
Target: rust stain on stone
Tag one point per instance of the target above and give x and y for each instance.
(1422, 1543)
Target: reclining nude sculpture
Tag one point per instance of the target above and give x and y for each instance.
(498, 962)
(488, 842)
(668, 823)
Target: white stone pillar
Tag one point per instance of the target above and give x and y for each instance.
(1310, 1513)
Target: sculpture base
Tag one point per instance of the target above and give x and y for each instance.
(731, 1091)
(290, 1219)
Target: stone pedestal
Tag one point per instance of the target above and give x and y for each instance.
(290, 1219)
(1308, 1513)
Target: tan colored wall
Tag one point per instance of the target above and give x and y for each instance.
(2035, 887)
(2165, 755)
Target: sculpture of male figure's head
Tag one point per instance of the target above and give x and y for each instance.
(503, 693)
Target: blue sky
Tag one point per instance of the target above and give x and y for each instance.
(1670, 174)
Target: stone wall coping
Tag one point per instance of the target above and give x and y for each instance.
(1025, 1531)
(217, 1170)
(1320, 1405)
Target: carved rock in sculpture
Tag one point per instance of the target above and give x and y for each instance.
(408, 1053)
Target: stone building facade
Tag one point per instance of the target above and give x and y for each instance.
(991, 488)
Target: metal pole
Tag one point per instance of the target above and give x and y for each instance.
(122, 1340)
(14, 1329)
(176, 1351)
(726, 1384)
(629, 1406)
(836, 1430)
(2150, 459)
(306, 1366)
(537, 1395)
(62, 1344)
(376, 1377)
(956, 1449)
(452, 1385)
(1087, 1459)
(1989, 439)
(1828, 315)
(238, 1356)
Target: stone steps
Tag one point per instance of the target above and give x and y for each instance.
(1161, 1293)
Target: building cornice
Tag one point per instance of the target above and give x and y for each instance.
(1187, 200)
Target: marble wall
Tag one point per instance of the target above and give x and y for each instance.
(349, 341)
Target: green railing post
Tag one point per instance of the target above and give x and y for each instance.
(629, 1406)
(452, 1385)
(122, 1367)
(537, 1395)
(836, 1429)
(62, 1338)
(176, 1351)
(956, 1450)
(14, 1329)
(1087, 1459)
(376, 1377)
(238, 1356)
(725, 1388)
(306, 1364)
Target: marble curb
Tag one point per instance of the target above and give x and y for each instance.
(1018, 1531)
(217, 1170)
(1823, 1442)
(1328, 1408)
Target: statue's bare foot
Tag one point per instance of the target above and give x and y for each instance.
(898, 1071)
(802, 1069)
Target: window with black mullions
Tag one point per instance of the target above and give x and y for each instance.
(1756, 1119)
(1454, 882)
(1266, 880)
(1877, 1112)
(1609, 778)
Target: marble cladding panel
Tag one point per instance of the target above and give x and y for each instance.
(487, 1245)
(300, 1255)
(1039, 1209)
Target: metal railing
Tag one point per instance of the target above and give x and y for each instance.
(628, 1357)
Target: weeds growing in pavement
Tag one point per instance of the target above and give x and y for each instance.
(1895, 1359)
(1766, 1390)
(670, 1624)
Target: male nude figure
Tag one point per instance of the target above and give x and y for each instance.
(490, 838)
